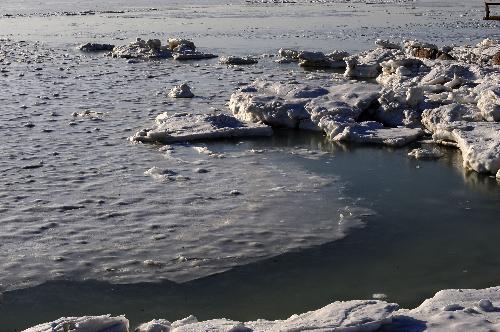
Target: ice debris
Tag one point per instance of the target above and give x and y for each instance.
(460, 125)
(177, 48)
(142, 49)
(105, 323)
(422, 153)
(452, 92)
(181, 91)
(182, 127)
(237, 61)
(96, 47)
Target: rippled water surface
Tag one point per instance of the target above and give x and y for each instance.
(284, 224)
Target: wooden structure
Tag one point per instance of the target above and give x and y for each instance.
(487, 5)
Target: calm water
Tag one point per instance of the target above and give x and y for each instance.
(435, 227)
(76, 206)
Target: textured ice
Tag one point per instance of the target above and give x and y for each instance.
(422, 153)
(183, 127)
(143, 50)
(452, 310)
(449, 310)
(339, 316)
(482, 53)
(274, 104)
(193, 56)
(478, 141)
(234, 60)
(371, 132)
(320, 60)
(181, 91)
(489, 104)
(95, 47)
(368, 64)
(105, 323)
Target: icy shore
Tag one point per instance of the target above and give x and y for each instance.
(456, 309)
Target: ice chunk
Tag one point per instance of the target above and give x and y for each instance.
(421, 153)
(478, 141)
(481, 54)
(338, 316)
(182, 127)
(489, 104)
(175, 44)
(181, 91)
(368, 64)
(193, 56)
(371, 132)
(156, 325)
(95, 47)
(233, 60)
(452, 310)
(320, 60)
(105, 323)
(143, 50)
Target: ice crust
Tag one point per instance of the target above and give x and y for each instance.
(184, 127)
(334, 110)
(449, 310)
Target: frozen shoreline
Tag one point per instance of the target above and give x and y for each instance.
(455, 309)
(72, 182)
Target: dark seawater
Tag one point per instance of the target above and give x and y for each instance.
(435, 227)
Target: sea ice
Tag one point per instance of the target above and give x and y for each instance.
(478, 141)
(368, 64)
(421, 153)
(182, 127)
(452, 310)
(143, 50)
(95, 47)
(237, 61)
(320, 60)
(105, 323)
(181, 91)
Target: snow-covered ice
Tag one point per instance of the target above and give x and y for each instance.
(105, 323)
(449, 310)
(183, 127)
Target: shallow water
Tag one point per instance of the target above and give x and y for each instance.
(315, 221)
(434, 227)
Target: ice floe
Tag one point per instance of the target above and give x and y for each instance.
(96, 47)
(478, 141)
(422, 153)
(105, 323)
(181, 127)
(237, 61)
(142, 49)
(181, 91)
